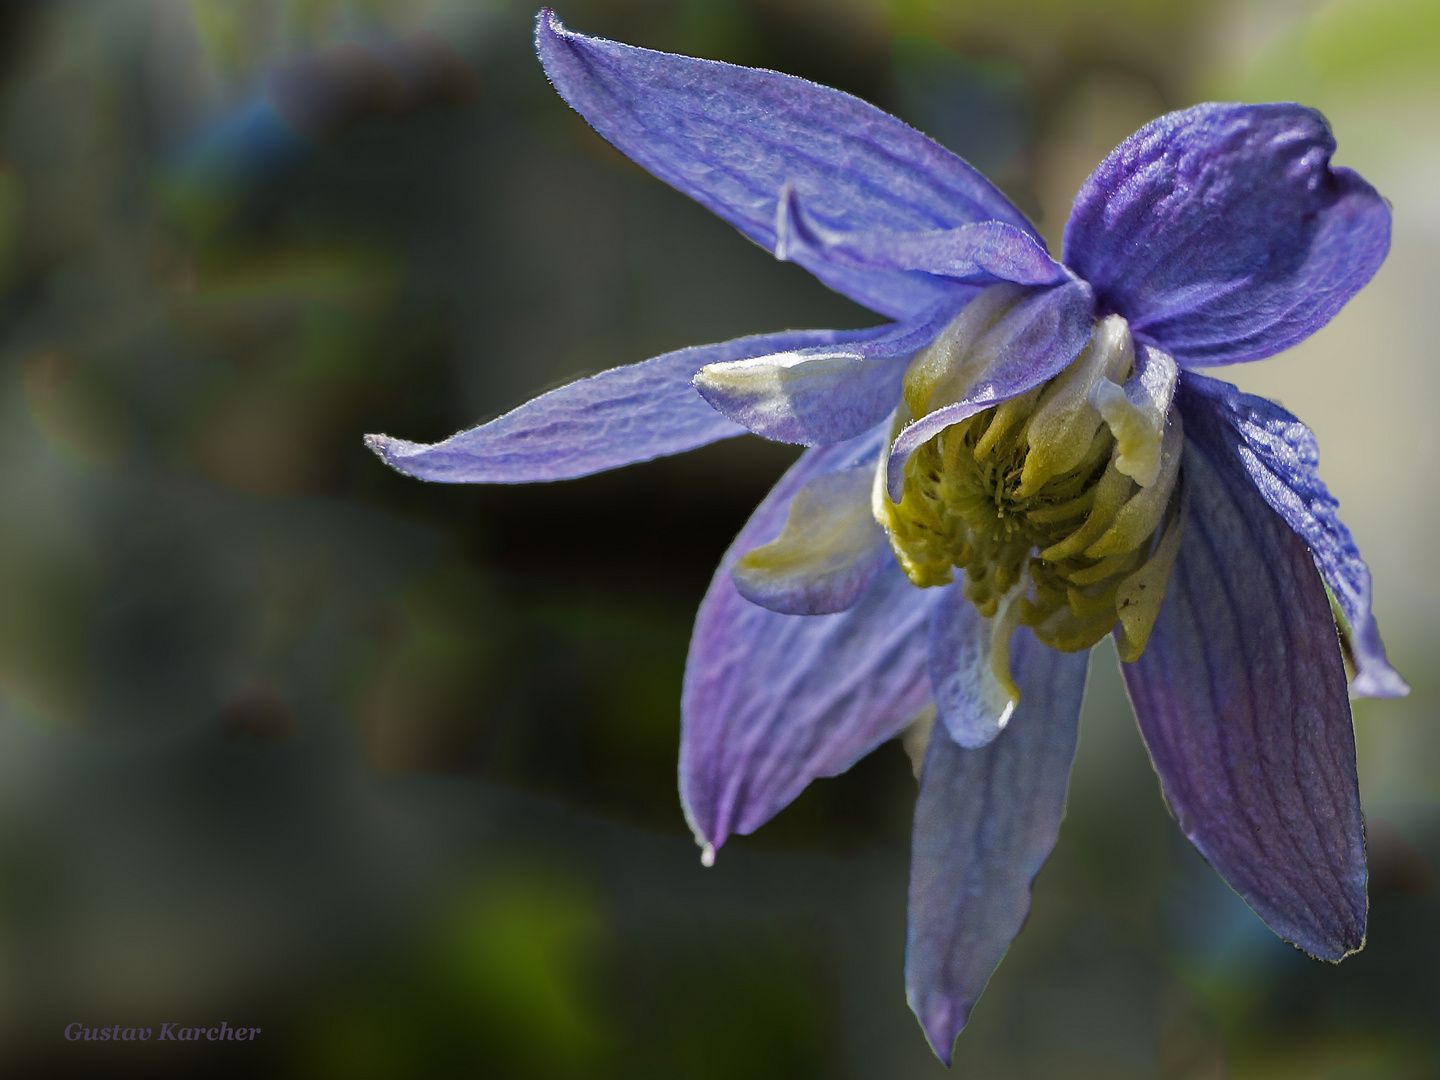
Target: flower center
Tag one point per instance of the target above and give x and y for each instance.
(1061, 505)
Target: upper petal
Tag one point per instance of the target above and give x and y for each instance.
(732, 138)
(980, 253)
(985, 822)
(1241, 699)
(826, 393)
(627, 414)
(773, 701)
(1223, 233)
(1282, 459)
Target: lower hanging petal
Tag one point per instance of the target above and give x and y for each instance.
(985, 822)
(773, 701)
(1282, 459)
(822, 394)
(621, 416)
(1241, 699)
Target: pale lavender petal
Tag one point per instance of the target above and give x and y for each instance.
(1282, 459)
(732, 138)
(980, 253)
(969, 699)
(1241, 699)
(1223, 233)
(985, 822)
(824, 394)
(1047, 331)
(773, 701)
(627, 414)
(828, 553)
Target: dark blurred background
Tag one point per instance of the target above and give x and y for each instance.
(387, 769)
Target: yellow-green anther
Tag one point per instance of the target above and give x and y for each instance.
(1137, 601)
(1105, 568)
(1111, 493)
(1064, 422)
(1140, 517)
(1001, 629)
(1007, 416)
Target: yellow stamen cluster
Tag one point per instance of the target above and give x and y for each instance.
(1061, 505)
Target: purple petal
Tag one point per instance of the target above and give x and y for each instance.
(825, 394)
(1241, 699)
(985, 822)
(1223, 233)
(1045, 332)
(980, 253)
(773, 701)
(828, 553)
(732, 138)
(969, 699)
(627, 414)
(1282, 459)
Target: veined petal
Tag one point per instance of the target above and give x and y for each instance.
(1033, 342)
(980, 253)
(824, 394)
(624, 415)
(985, 822)
(1222, 232)
(773, 701)
(1241, 699)
(1282, 459)
(732, 138)
(828, 553)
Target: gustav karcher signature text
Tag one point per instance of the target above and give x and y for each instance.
(173, 1032)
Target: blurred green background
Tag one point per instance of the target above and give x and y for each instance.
(387, 769)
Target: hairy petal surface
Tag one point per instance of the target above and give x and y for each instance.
(826, 393)
(1282, 459)
(732, 138)
(1241, 700)
(624, 415)
(773, 701)
(1223, 233)
(828, 553)
(985, 822)
(980, 253)
(1034, 342)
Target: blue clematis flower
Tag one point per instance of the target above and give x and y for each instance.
(1027, 458)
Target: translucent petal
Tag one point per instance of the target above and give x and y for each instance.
(827, 554)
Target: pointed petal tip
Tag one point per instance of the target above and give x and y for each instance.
(707, 855)
(550, 34)
(942, 1018)
(389, 449)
